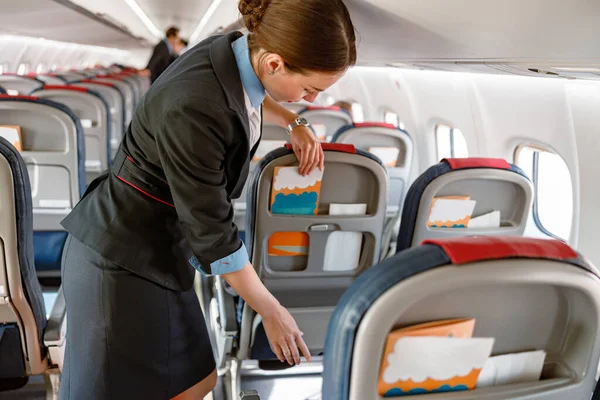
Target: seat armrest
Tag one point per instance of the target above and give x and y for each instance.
(227, 310)
(56, 330)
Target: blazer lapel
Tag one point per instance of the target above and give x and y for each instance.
(228, 74)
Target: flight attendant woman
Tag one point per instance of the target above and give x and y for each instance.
(163, 210)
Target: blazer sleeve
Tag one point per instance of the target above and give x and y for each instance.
(192, 146)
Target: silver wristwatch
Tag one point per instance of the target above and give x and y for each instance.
(300, 121)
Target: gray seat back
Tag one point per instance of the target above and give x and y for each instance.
(528, 294)
(93, 113)
(54, 152)
(310, 286)
(369, 135)
(51, 79)
(23, 85)
(128, 96)
(22, 311)
(494, 184)
(115, 100)
(326, 121)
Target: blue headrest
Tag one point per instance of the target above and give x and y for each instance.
(415, 192)
(376, 281)
(79, 129)
(2, 91)
(24, 220)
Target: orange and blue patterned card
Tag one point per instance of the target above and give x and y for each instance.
(292, 193)
(438, 356)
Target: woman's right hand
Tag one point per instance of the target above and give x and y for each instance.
(284, 336)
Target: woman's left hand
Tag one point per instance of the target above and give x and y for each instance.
(307, 148)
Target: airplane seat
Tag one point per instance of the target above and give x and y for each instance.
(126, 92)
(527, 294)
(326, 120)
(94, 113)
(23, 85)
(2, 91)
(54, 152)
(496, 186)
(395, 148)
(23, 323)
(51, 79)
(332, 248)
(117, 109)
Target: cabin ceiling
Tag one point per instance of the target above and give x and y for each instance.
(508, 36)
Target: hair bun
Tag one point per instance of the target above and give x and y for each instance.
(253, 11)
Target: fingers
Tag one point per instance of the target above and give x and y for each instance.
(311, 157)
(295, 354)
(305, 154)
(285, 350)
(321, 158)
(303, 348)
(278, 352)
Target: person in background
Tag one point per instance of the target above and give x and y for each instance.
(344, 105)
(163, 55)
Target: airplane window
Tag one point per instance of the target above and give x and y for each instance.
(39, 69)
(451, 142)
(392, 118)
(1, 69)
(357, 112)
(23, 69)
(553, 202)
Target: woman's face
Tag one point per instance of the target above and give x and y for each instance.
(285, 86)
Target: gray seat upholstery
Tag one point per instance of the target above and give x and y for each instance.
(370, 135)
(528, 294)
(93, 112)
(116, 102)
(23, 348)
(326, 121)
(493, 183)
(304, 284)
(54, 152)
(23, 85)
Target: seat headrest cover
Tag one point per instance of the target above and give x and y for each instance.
(316, 108)
(374, 125)
(343, 148)
(468, 249)
(474, 162)
(59, 87)
(20, 96)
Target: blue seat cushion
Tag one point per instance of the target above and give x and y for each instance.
(48, 248)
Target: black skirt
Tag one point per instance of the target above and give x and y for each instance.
(127, 337)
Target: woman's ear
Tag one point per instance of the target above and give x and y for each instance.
(273, 64)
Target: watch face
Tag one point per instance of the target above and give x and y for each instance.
(301, 121)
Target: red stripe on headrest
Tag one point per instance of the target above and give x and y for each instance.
(468, 249)
(341, 147)
(462, 163)
(374, 125)
(98, 83)
(316, 108)
(65, 87)
(19, 96)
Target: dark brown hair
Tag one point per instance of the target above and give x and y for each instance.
(172, 31)
(310, 35)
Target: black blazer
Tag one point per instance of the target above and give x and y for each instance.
(160, 60)
(167, 196)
